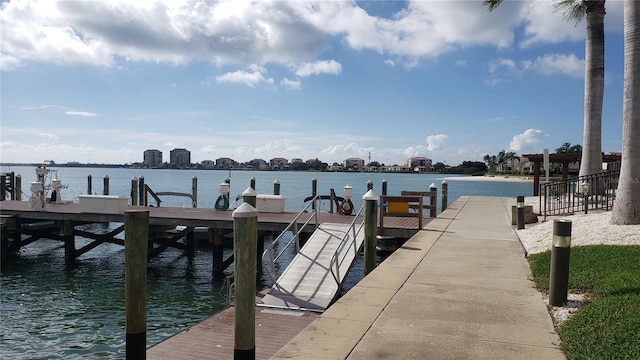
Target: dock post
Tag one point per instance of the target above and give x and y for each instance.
(245, 233)
(89, 187)
(216, 238)
(134, 191)
(18, 189)
(560, 255)
(276, 187)
(141, 193)
(4, 243)
(252, 182)
(3, 187)
(369, 185)
(105, 182)
(370, 230)
(12, 185)
(520, 212)
(194, 192)
(384, 187)
(136, 230)
(249, 196)
(314, 191)
(69, 242)
(445, 195)
(433, 199)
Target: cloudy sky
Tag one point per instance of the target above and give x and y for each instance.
(101, 81)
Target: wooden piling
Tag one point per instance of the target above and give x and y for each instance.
(136, 223)
(69, 242)
(433, 201)
(4, 243)
(18, 187)
(276, 187)
(134, 191)
(216, 238)
(369, 185)
(249, 196)
(3, 187)
(245, 233)
(141, 193)
(252, 182)
(370, 230)
(445, 195)
(89, 187)
(194, 192)
(105, 188)
(384, 187)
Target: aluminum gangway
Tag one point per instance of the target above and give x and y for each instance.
(314, 276)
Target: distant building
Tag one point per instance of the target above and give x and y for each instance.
(356, 164)
(180, 157)
(419, 164)
(279, 163)
(208, 164)
(225, 163)
(258, 164)
(152, 158)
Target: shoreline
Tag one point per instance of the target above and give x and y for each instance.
(525, 179)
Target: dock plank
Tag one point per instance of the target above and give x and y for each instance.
(213, 338)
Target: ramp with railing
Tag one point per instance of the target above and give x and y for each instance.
(314, 276)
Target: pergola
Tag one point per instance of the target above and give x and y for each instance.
(561, 158)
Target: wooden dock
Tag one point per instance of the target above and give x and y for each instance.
(68, 215)
(213, 338)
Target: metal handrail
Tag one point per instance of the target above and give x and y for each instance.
(343, 243)
(268, 257)
(565, 196)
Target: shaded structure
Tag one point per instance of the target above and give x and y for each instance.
(560, 158)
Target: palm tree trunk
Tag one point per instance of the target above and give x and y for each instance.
(593, 89)
(626, 210)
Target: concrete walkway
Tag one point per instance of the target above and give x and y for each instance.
(458, 290)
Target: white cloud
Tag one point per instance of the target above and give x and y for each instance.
(290, 84)
(263, 32)
(250, 78)
(566, 64)
(435, 141)
(81, 113)
(331, 67)
(525, 140)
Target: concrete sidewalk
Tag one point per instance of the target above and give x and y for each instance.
(458, 290)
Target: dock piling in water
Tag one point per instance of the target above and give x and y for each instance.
(370, 230)
(245, 235)
(136, 224)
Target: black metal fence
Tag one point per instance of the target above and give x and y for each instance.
(583, 193)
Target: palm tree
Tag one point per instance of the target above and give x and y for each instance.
(626, 209)
(594, 11)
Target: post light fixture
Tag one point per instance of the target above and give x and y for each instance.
(585, 196)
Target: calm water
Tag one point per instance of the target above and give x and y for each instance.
(49, 310)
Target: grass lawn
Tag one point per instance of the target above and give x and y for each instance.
(609, 326)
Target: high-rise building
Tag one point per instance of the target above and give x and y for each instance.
(152, 158)
(180, 157)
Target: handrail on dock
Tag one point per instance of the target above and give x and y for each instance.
(343, 244)
(268, 258)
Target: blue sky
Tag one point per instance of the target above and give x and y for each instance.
(101, 81)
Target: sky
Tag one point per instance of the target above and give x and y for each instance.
(102, 81)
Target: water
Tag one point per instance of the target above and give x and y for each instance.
(50, 310)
